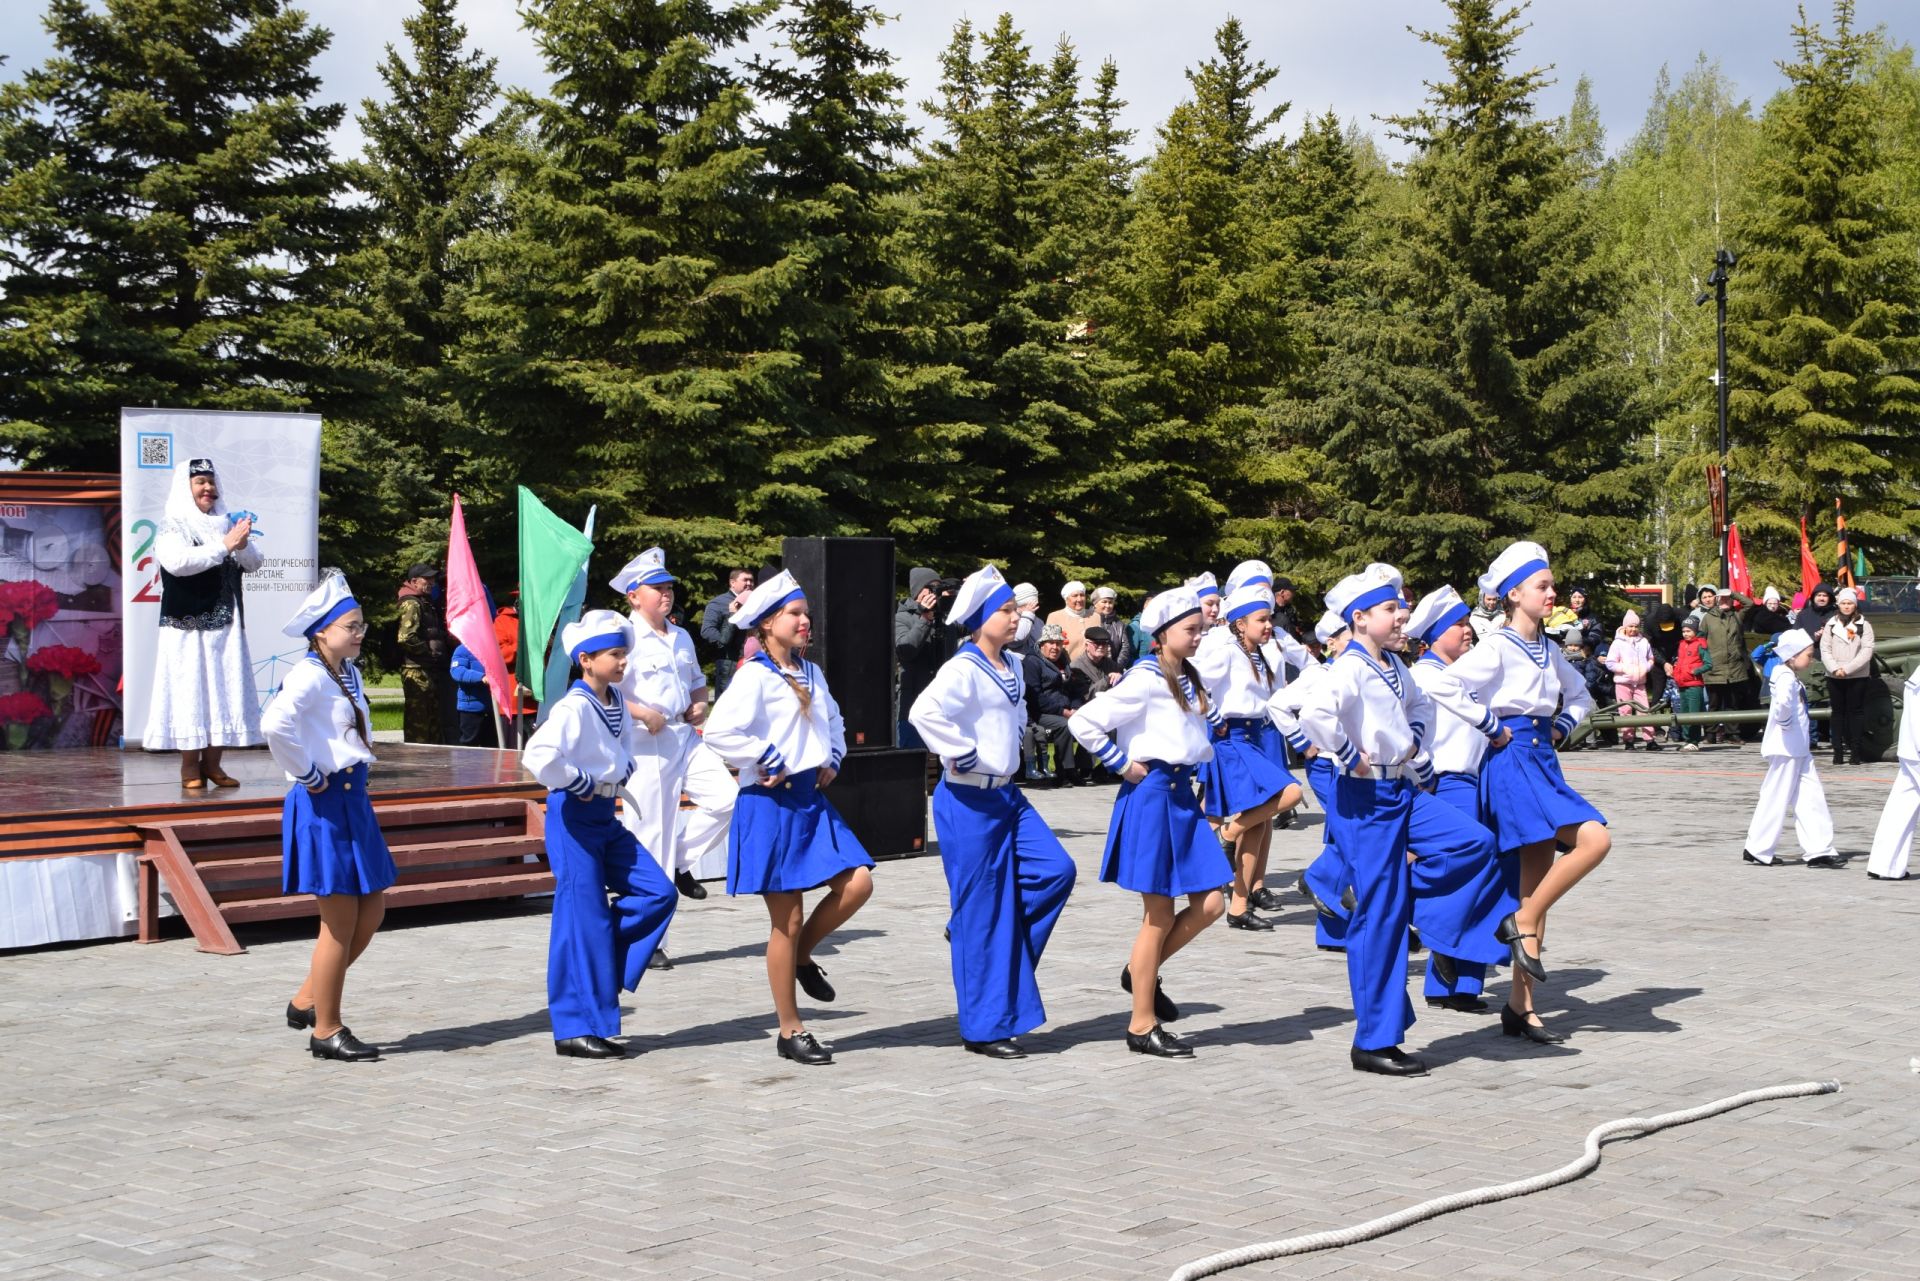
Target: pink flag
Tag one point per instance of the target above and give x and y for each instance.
(469, 618)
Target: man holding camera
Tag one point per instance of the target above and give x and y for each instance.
(921, 642)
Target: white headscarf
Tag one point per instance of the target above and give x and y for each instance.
(205, 527)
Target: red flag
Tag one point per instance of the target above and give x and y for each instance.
(1738, 579)
(1843, 576)
(468, 617)
(1809, 567)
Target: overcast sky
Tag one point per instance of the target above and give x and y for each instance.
(1354, 56)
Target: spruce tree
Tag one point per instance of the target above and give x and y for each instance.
(617, 351)
(428, 187)
(1824, 351)
(171, 219)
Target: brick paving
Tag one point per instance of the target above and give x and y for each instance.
(158, 1119)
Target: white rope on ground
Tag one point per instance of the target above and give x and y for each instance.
(1586, 1163)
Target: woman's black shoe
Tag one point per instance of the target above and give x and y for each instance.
(1005, 1048)
(1264, 899)
(299, 1018)
(1509, 933)
(1305, 891)
(344, 1046)
(589, 1047)
(1160, 1043)
(813, 981)
(689, 887)
(659, 960)
(1514, 1023)
(1163, 1007)
(803, 1049)
(1247, 921)
(1460, 1001)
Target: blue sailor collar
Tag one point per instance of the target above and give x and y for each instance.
(614, 717)
(1009, 681)
(349, 674)
(1536, 651)
(1390, 673)
(803, 673)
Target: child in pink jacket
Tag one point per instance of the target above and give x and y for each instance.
(1630, 658)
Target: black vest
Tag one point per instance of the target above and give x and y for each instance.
(203, 602)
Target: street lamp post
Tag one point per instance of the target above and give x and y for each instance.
(1723, 261)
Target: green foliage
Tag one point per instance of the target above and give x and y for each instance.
(170, 223)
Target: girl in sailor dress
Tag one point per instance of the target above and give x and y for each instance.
(1325, 883)
(1246, 784)
(317, 728)
(1522, 694)
(583, 753)
(1153, 729)
(778, 724)
(1008, 877)
(1440, 622)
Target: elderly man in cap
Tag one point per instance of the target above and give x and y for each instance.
(1073, 617)
(422, 637)
(1054, 694)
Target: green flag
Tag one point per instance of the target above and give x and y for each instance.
(552, 555)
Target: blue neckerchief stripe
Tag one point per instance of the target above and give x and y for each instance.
(1010, 682)
(1536, 651)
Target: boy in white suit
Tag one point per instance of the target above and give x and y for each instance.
(1791, 781)
(1894, 837)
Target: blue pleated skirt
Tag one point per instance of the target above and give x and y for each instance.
(1158, 842)
(788, 838)
(1524, 798)
(1244, 773)
(331, 843)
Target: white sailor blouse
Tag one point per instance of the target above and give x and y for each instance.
(1456, 747)
(584, 747)
(1371, 706)
(758, 722)
(662, 673)
(972, 714)
(1507, 675)
(1283, 709)
(1236, 681)
(1140, 720)
(310, 726)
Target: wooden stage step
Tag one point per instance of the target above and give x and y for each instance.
(225, 869)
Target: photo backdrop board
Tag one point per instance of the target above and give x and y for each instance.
(269, 464)
(59, 610)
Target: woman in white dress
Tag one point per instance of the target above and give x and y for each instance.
(203, 699)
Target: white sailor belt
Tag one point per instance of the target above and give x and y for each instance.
(971, 779)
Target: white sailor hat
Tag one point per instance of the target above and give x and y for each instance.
(1374, 585)
(1438, 610)
(1248, 572)
(597, 629)
(766, 599)
(323, 605)
(1026, 593)
(981, 592)
(1247, 598)
(1791, 642)
(1202, 585)
(1513, 567)
(649, 567)
(1168, 608)
(1329, 626)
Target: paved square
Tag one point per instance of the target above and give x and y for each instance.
(158, 1118)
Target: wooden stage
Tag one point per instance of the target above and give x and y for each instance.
(91, 801)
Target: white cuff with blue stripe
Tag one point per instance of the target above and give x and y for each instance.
(1214, 717)
(967, 764)
(1112, 757)
(581, 786)
(311, 778)
(1565, 722)
(834, 764)
(1299, 742)
(1419, 729)
(1490, 724)
(1349, 755)
(771, 762)
(1423, 770)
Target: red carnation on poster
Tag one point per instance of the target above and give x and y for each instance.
(23, 708)
(26, 605)
(63, 661)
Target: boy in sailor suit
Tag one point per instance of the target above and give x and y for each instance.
(665, 692)
(1007, 876)
(1376, 720)
(1792, 782)
(583, 754)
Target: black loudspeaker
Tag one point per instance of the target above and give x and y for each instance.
(849, 584)
(883, 796)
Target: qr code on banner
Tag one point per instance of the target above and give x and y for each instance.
(156, 449)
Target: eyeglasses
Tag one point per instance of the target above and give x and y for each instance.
(353, 629)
